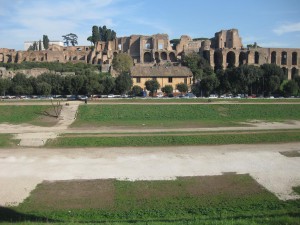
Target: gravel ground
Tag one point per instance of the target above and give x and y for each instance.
(21, 170)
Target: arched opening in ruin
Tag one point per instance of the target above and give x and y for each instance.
(218, 60)
(243, 58)
(115, 54)
(256, 57)
(206, 55)
(172, 57)
(294, 58)
(273, 57)
(283, 58)
(230, 59)
(295, 72)
(147, 57)
(156, 55)
(1, 58)
(163, 56)
(75, 58)
(285, 72)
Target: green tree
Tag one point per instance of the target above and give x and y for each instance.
(92, 84)
(168, 89)
(123, 83)
(45, 42)
(273, 84)
(70, 39)
(77, 82)
(182, 87)
(43, 88)
(106, 34)
(40, 45)
(21, 85)
(90, 39)
(199, 66)
(5, 84)
(152, 86)
(108, 83)
(95, 34)
(137, 90)
(122, 63)
(34, 46)
(247, 76)
(291, 88)
(209, 84)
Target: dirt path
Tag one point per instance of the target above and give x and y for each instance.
(34, 136)
(21, 171)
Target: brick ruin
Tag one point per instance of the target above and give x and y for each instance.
(223, 49)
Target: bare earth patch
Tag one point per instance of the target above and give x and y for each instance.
(21, 171)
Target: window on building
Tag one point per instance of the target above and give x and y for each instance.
(138, 80)
(147, 46)
(185, 80)
(160, 46)
(119, 46)
(170, 79)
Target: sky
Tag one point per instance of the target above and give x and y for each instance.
(270, 23)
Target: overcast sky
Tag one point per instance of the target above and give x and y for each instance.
(273, 23)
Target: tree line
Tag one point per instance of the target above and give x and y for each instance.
(265, 80)
(47, 84)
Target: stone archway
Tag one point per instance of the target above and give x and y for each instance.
(218, 60)
(283, 58)
(285, 72)
(273, 57)
(294, 58)
(172, 57)
(243, 58)
(230, 59)
(147, 57)
(206, 55)
(156, 56)
(295, 72)
(163, 56)
(256, 57)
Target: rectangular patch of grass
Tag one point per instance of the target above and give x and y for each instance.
(175, 140)
(205, 199)
(177, 114)
(15, 114)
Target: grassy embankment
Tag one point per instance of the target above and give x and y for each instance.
(179, 116)
(227, 199)
(41, 115)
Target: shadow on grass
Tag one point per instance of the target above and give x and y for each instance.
(12, 216)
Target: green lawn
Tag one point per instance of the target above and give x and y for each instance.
(213, 138)
(226, 199)
(177, 115)
(32, 114)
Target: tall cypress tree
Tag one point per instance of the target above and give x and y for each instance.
(95, 34)
(45, 41)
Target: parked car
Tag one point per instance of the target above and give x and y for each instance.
(190, 95)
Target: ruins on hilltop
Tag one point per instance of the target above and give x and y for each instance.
(224, 49)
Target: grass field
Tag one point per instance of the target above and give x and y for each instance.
(174, 115)
(214, 138)
(225, 199)
(7, 141)
(41, 115)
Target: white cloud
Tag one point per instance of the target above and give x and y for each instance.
(287, 28)
(29, 20)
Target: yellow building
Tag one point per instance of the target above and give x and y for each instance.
(165, 75)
